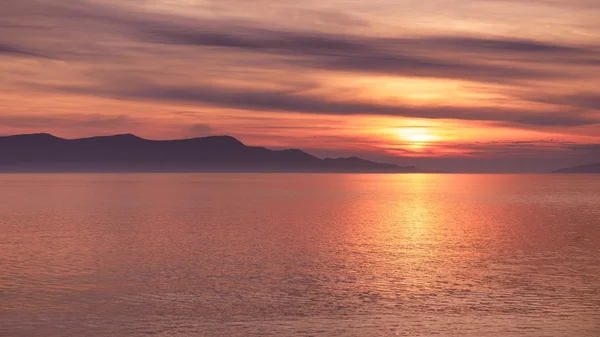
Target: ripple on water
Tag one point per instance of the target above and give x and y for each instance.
(302, 255)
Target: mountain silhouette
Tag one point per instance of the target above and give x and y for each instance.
(129, 153)
(590, 168)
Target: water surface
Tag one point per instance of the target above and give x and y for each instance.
(299, 254)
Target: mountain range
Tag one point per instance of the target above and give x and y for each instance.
(129, 153)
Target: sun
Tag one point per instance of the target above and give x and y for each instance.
(416, 134)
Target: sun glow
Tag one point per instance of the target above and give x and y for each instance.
(416, 134)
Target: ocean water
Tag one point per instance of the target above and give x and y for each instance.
(299, 255)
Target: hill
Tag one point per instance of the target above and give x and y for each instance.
(129, 153)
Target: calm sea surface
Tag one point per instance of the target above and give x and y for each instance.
(299, 255)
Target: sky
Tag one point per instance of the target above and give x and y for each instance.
(455, 85)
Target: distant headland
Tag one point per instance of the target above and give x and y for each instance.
(590, 168)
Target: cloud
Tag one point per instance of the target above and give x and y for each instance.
(484, 59)
(529, 148)
(592, 149)
(437, 56)
(300, 43)
(16, 51)
(502, 45)
(199, 129)
(291, 101)
(582, 100)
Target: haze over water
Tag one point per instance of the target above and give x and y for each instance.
(299, 254)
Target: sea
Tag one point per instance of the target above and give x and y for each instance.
(299, 255)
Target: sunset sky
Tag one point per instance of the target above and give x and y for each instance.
(459, 85)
